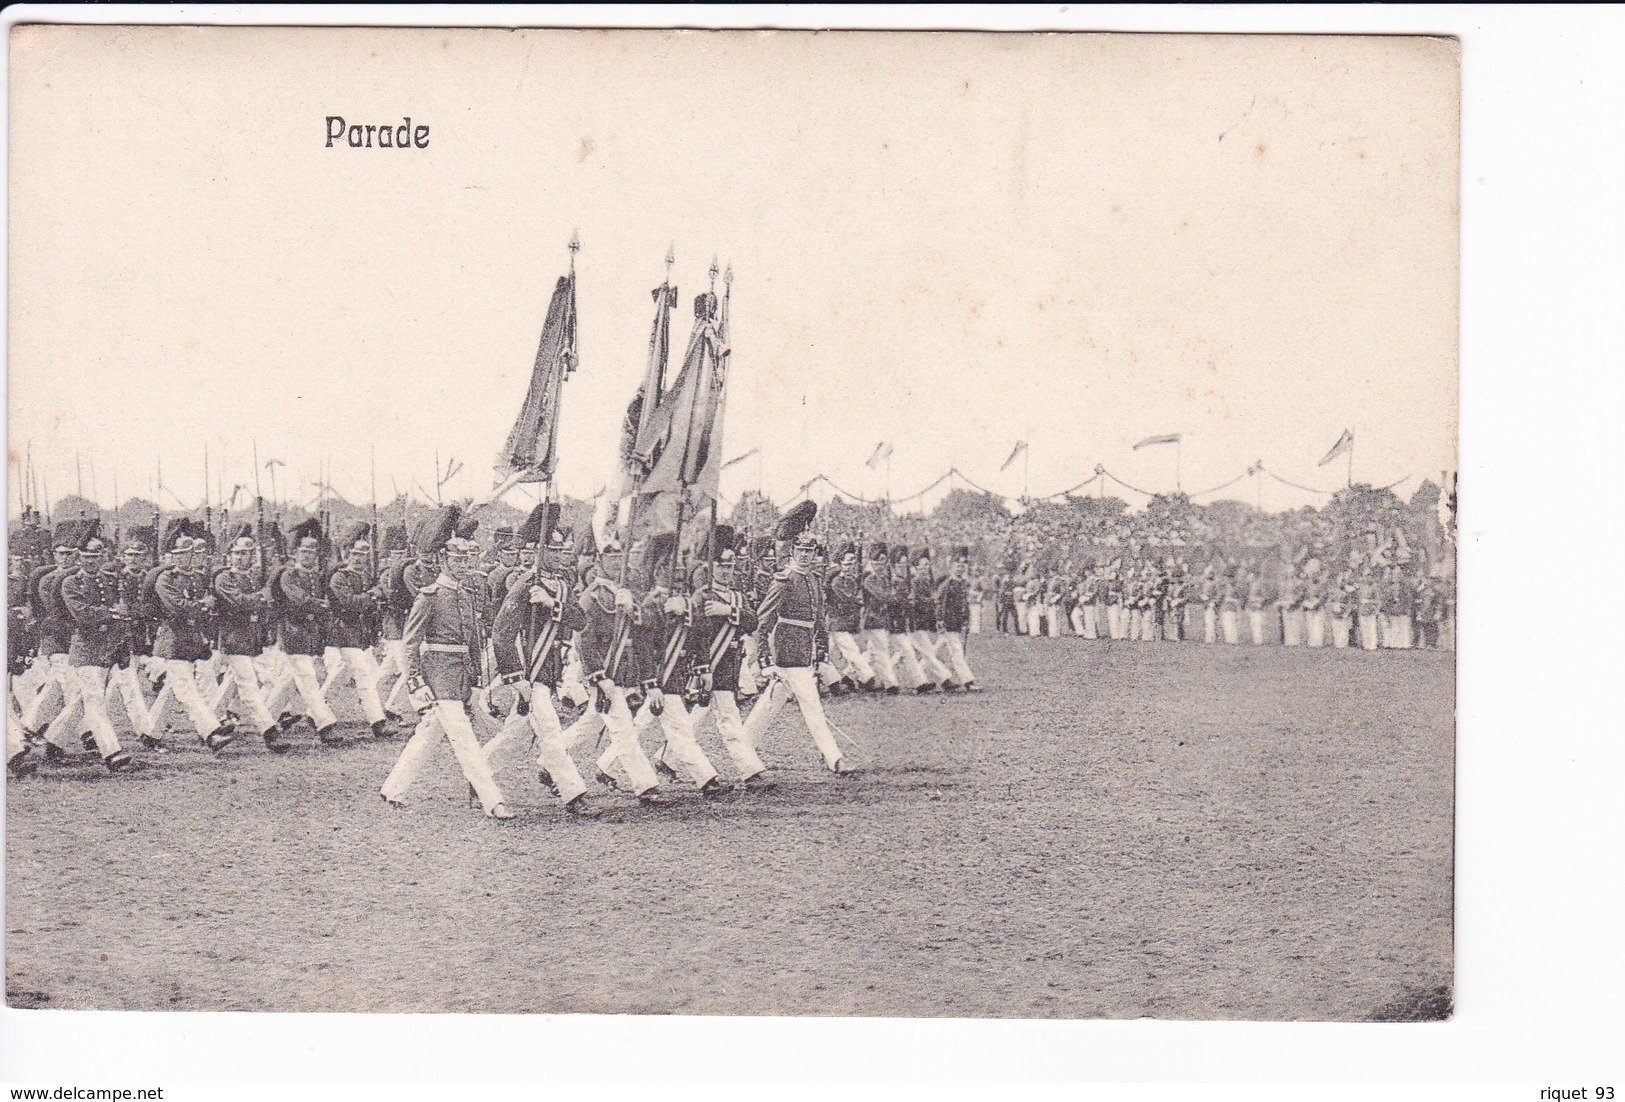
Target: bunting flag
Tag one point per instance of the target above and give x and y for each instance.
(1016, 453)
(881, 453)
(1151, 441)
(531, 452)
(1344, 443)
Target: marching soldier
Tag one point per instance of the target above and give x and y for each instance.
(604, 640)
(91, 595)
(724, 621)
(243, 608)
(876, 618)
(392, 610)
(302, 607)
(186, 603)
(406, 577)
(356, 600)
(953, 619)
(792, 615)
(538, 616)
(1314, 605)
(1258, 599)
(660, 634)
(54, 627)
(441, 643)
(845, 615)
(922, 616)
(123, 679)
(910, 674)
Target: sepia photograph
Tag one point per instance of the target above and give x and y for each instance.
(752, 523)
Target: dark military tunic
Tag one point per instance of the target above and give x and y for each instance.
(716, 641)
(183, 629)
(301, 614)
(792, 615)
(441, 639)
(356, 609)
(529, 638)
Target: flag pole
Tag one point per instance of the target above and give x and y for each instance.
(1350, 482)
(1026, 466)
(1179, 454)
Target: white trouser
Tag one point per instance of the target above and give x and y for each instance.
(724, 709)
(797, 682)
(877, 646)
(299, 678)
(539, 728)
(1368, 632)
(1340, 631)
(363, 670)
(57, 691)
(572, 684)
(126, 704)
(396, 701)
(243, 686)
(87, 712)
(1255, 621)
(623, 739)
(445, 719)
(28, 683)
(926, 648)
(976, 618)
(1291, 626)
(14, 731)
(1396, 632)
(750, 667)
(1230, 621)
(1053, 614)
(1075, 618)
(1173, 625)
(682, 751)
(1091, 621)
(851, 660)
(909, 673)
(1314, 621)
(180, 692)
(1210, 625)
(953, 646)
(1148, 625)
(1116, 623)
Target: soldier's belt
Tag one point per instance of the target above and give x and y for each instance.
(808, 624)
(443, 648)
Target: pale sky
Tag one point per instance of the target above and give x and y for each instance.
(947, 242)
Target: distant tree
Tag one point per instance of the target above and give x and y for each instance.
(753, 512)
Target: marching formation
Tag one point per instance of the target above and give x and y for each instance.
(586, 657)
(1369, 604)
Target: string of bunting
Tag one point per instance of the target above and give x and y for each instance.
(1100, 473)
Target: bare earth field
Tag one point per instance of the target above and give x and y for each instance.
(1111, 830)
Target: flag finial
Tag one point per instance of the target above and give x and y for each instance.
(671, 258)
(715, 271)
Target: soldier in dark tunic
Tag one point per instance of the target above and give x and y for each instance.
(300, 597)
(91, 596)
(356, 601)
(186, 603)
(792, 617)
(538, 616)
(724, 619)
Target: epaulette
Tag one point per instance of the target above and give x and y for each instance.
(432, 587)
(782, 575)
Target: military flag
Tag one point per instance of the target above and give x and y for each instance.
(1151, 441)
(531, 451)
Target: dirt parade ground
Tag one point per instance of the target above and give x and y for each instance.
(1110, 830)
